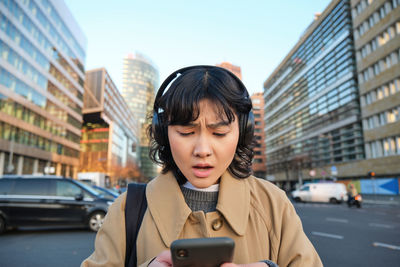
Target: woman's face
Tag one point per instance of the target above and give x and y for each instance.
(205, 148)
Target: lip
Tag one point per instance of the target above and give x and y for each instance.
(202, 170)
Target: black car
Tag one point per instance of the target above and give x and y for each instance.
(28, 200)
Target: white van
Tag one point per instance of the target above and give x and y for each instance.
(321, 192)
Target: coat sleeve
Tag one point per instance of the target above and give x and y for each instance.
(295, 248)
(109, 247)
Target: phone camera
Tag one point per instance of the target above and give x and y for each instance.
(182, 253)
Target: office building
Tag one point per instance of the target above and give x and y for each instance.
(312, 113)
(110, 132)
(376, 26)
(42, 57)
(140, 82)
(234, 69)
(259, 160)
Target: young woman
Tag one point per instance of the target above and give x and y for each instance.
(202, 135)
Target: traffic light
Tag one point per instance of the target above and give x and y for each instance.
(371, 174)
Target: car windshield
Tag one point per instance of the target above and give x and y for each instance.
(88, 188)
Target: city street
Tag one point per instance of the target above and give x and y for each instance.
(343, 237)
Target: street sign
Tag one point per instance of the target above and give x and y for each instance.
(334, 171)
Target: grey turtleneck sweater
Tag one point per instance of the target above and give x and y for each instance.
(200, 200)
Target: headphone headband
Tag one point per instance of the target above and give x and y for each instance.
(175, 74)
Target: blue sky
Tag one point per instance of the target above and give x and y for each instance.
(255, 34)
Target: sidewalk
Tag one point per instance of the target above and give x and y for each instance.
(381, 199)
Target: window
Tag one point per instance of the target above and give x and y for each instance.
(66, 189)
(6, 186)
(38, 187)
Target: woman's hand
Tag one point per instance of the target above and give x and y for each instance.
(163, 259)
(255, 264)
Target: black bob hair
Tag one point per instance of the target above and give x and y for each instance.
(179, 105)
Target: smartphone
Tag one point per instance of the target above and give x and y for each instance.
(205, 252)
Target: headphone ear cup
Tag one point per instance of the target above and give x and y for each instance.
(159, 130)
(247, 128)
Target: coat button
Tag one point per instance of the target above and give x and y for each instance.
(216, 224)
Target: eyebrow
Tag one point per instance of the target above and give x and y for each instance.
(212, 125)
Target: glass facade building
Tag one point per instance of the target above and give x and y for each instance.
(140, 81)
(110, 132)
(312, 112)
(42, 56)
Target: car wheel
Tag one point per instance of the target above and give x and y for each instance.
(96, 220)
(297, 199)
(2, 225)
(333, 200)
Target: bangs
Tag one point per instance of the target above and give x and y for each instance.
(181, 102)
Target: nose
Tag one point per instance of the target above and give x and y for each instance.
(202, 147)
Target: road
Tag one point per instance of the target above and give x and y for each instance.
(369, 236)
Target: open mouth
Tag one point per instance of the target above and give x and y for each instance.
(202, 167)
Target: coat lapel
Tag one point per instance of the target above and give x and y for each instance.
(234, 202)
(167, 206)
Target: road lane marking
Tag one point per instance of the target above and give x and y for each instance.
(337, 220)
(327, 235)
(381, 225)
(377, 244)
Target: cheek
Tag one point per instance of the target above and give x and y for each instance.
(177, 147)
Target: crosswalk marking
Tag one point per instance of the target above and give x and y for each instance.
(381, 225)
(327, 235)
(377, 244)
(337, 220)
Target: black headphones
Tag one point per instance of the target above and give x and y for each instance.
(159, 127)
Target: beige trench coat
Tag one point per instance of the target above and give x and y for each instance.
(256, 214)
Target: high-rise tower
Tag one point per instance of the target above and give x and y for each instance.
(140, 81)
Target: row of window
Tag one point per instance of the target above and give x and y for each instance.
(14, 84)
(42, 41)
(377, 16)
(18, 111)
(332, 67)
(383, 147)
(377, 120)
(383, 91)
(59, 23)
(20, 40)
(29, 71)
(41, 18)
(360, 7)
(380, 40)
(312, 123)
(9, 132)
(335, 146)
(329, 102)
(379, 66)
(329, 30)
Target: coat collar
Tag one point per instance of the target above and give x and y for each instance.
(170, 211)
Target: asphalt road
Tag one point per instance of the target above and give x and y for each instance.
(369, 236)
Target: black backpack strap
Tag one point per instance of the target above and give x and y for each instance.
(135, 207)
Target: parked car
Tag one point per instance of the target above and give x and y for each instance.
(106, 192)
(30, 200)
(321, 192)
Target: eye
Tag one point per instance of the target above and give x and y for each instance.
(219, 134)
(185, 133)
